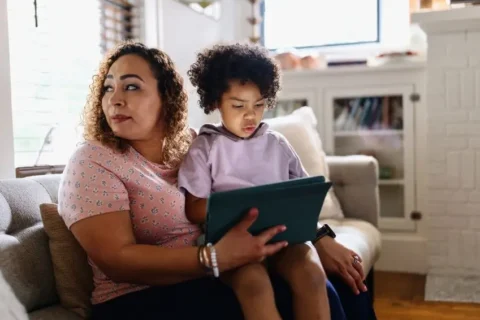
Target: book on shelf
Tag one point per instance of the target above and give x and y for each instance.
(371, 113)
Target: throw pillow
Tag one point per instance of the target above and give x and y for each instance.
(73, 274)
(299, 128)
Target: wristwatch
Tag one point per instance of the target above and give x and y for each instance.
(325, 230)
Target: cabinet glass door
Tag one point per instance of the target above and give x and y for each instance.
(289, 102)
(378, 122)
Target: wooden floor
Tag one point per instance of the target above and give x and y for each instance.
(401, 297)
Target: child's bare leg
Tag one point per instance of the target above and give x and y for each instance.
(252, 286)
(300, 266)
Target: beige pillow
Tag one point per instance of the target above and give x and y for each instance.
(73, 274)
(299, 128)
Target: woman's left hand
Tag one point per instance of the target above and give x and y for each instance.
(337, 259)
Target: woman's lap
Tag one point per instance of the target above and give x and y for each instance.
(355, 306)
(193, 298)
(214, 300)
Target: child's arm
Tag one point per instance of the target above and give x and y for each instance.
(295, 167)
(195, 209)
(194, 179)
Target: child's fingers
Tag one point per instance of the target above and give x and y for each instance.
(247, 220)
(271, 249)
(268, 234)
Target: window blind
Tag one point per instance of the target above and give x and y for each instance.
(120, 20)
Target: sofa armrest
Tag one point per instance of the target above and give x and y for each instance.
(355, 182)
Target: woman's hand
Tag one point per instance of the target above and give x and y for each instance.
(336, 259)
(239, 247)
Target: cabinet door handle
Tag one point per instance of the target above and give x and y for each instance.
(416, 215)
(415, 97)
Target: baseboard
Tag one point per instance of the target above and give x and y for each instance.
(403, 253)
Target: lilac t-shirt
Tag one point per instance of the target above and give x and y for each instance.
(220, 161)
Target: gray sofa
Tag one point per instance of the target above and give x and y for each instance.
(24, 253)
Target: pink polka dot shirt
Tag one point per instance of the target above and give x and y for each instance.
(98, 180)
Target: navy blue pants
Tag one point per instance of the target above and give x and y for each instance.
(208, 298)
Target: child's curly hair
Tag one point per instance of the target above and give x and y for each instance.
(172, 94)
(218, 65)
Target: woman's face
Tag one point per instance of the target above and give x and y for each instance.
(131, 101)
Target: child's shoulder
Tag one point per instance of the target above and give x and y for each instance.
(202, 141)
(275, 135)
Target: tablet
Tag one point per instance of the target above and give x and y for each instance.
(295, 203)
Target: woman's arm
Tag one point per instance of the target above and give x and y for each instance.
(339, 260)
(195, 209)
(109, 241)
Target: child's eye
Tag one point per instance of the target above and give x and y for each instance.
(260, 105)
(131, 87)
(237, 106)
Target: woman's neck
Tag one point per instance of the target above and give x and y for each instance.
(152, 149)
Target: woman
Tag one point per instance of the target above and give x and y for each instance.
(118, 196)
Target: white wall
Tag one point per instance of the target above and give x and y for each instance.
(7, 166)
(182, 33)
(453, 140)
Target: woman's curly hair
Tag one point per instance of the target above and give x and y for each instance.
(217, 66)
(172, 94)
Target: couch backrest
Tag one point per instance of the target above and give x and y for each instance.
(24, 253)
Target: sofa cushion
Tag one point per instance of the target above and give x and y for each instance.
(299, 128)
(359, 236)
(24, 256)
(56, 312)
(73, 274)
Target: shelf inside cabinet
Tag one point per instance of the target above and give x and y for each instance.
(391, 182)
(368, 115)
(285, 107)
(355, 133)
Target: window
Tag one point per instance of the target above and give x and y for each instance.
(119, 21)
(51, 69)
(314, 23)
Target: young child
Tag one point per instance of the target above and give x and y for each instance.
(241, 81)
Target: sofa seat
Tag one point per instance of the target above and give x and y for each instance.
(359, 236)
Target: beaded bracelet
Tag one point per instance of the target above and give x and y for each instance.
(214, 263)
(208, 261)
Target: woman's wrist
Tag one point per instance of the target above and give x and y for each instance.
(322, 241)
(223, 259)
(208, 259)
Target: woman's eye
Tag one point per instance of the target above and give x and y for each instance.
(107, 88)
(131, 87)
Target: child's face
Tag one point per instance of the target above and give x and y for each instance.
(242, 108)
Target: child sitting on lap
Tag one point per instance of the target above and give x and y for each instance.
(241, 81)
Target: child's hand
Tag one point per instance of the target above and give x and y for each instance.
(239, 247)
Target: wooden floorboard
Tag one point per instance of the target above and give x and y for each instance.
(400, 296)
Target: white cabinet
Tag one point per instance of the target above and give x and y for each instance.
(293, 98)
(376, 111)
(378, 122)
